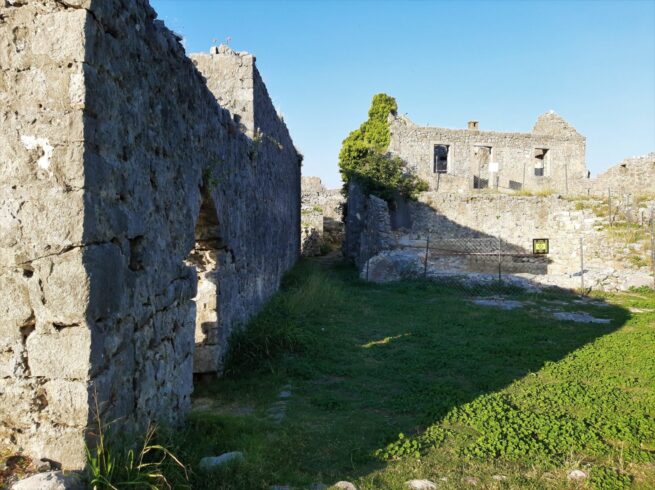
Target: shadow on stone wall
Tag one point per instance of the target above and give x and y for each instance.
(386, 244)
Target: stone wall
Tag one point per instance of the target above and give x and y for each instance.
(259, 206)
(368, 226)
(472, 153)
(119, 174)
(463, 228)
(635, 175)
(321, 217)
(45, 338)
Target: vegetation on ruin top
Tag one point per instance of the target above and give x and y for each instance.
(338, 379)
(363, 156)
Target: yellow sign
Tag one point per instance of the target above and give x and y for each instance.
(540, 246)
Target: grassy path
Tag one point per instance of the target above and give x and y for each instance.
(341, 380)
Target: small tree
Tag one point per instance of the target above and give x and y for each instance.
(364, 156)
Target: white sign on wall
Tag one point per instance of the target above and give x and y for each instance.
(493, 167)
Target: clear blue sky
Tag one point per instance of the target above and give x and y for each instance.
(502, 63)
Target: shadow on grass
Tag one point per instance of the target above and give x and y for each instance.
(364, 363)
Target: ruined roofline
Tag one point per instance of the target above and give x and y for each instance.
(239, 88)
(628, 163)
(546, 129)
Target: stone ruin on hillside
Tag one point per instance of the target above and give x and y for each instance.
(140, 221)
(479, 225)
(552, 156)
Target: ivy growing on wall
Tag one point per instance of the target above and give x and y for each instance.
(364, 156)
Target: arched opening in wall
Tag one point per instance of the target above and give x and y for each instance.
(204, 258)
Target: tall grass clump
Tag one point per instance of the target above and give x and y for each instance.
(114, 463)
(280, 328)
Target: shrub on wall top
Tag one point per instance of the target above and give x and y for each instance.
(363, 156)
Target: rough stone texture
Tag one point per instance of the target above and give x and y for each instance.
(51, 480)
(514, 153)
(259, 237)
(368, 226)
(459, 224)
(355, 221)
(111, 145)
(635, 175)
(392, 265)
(321, 217)
(45, 338)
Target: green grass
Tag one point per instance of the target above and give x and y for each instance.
(535, 193)
(411, 380)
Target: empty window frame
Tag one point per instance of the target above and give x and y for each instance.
(540, 161)
(441, 156)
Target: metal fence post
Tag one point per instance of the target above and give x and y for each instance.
(500, 279)
(427, 251)
(582, 265)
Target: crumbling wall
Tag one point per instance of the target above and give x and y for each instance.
(488, 223)
(258, 202)
(634, 175)
(321, 217)
(368, 226)
(111, 143)
(469, 157)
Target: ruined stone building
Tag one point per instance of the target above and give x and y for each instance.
(478, 236)
(634, 175)
(321, 223)
(141, 222)
(552, 156)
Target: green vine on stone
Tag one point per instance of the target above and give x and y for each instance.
(364, 158)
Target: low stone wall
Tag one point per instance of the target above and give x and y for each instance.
(470, 234)
(123, 185)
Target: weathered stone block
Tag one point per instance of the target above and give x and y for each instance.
(61, 354)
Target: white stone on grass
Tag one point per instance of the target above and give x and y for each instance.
(52, 480)
(344, 485)
(208, 463)
(421, 485)
(579, 317)
(576, 475)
